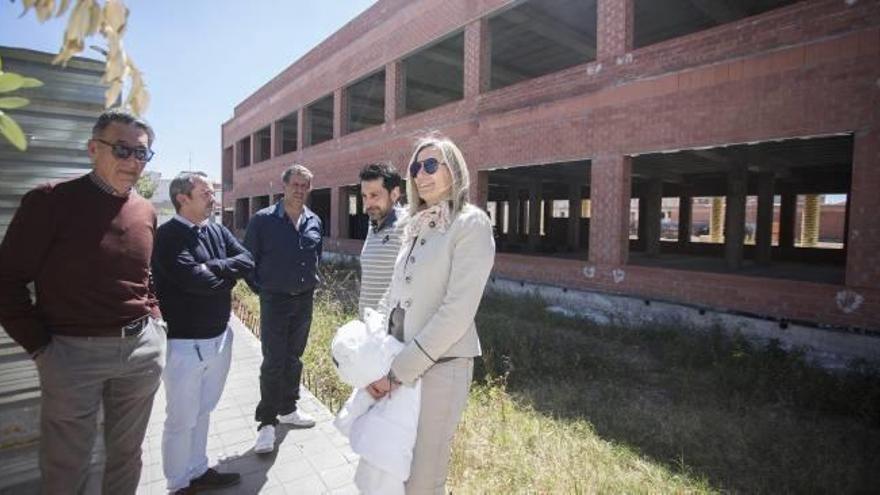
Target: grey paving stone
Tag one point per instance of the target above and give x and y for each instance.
(306, 461)
(337, 477)
(310, 485)
(326, 460)
(291, 470)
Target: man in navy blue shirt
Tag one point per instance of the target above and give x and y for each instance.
(196, 263)
(285, 240)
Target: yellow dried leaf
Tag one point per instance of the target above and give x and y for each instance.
(96, 17)
(112, 94)
(44, 9)
(62, 8)
(115, 15)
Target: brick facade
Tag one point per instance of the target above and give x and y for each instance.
(809, 69)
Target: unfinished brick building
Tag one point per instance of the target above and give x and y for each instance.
(615, 143)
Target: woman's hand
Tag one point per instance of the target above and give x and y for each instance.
(381, 387)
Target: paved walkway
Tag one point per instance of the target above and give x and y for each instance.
(307, 461)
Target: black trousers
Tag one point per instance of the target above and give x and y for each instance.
(285, 321)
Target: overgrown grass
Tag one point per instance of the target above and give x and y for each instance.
(562, 406)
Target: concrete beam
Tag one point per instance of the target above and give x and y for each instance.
(720, 11)
(551, 29)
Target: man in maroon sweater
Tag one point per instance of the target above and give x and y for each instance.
(94, 329)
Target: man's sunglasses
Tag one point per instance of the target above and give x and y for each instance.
(123, 152)
(430, 165)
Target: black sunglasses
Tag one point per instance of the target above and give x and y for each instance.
(430, 165)
(123, 152)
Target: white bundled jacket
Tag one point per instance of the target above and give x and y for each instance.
(382, 432)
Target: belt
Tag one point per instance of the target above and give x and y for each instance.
(134, 328)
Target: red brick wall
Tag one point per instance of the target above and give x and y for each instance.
(812, 68)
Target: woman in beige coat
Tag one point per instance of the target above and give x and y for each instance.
(439, 277)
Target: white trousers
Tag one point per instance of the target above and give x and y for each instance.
(194, 376)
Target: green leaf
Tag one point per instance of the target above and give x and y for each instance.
(30, 82)
(10, 102)
(10, 129)
(10, 81)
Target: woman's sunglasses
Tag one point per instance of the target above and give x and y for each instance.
(430, 165)
(122, 151)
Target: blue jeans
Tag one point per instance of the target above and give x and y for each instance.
(284, 330)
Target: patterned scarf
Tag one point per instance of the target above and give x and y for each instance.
(435, 217)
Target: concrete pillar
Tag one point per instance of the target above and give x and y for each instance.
(513, 227)
(787, 210)
(477, 58)
(653, 200)
(547, 218)
(685, 218)
(735, 218)
(846, 213)
(340, 113)
(395, 91)
(303, 129)
(275, 138)
(236, 154)
(610, 187)
(614, 30)
(716, 220)
(254, 206)
(574, 216)
(480, 180)
(253, 149)
(640, 226)
(535, 194)
(810, 221)
(499, 216)
(339, 212)
(863, 240)
(764, 227)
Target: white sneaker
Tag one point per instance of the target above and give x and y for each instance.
(297, 418)
(265, 440)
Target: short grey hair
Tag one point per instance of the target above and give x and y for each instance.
(297, 169)
(184, 183)
(452, 157)
(122, 117)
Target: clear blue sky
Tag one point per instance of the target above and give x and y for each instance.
(200, 59)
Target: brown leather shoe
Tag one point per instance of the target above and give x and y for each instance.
(213, 480)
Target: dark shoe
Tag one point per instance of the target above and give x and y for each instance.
(212, 480)
(185, 491)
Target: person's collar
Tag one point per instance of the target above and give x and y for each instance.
(182, 219)
(105, 187)
(279, 210)
(389, 220)
(281, 213)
